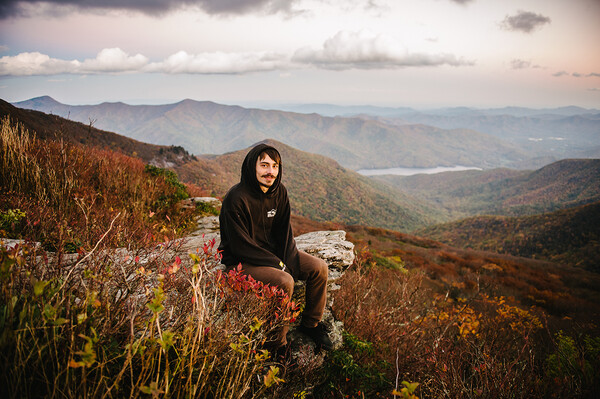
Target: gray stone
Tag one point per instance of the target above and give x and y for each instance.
(331, 246)
(191, 202)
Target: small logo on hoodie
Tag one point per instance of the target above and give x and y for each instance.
(271, 213)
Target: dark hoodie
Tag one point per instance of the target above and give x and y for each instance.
(255, 226)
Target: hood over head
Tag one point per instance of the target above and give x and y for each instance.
(249, 170)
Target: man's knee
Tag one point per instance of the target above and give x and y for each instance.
(312, 267)
(283, 281)
(322, 269)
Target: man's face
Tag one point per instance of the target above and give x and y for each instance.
(266, 172)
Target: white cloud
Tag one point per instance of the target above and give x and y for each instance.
(346, 50)
(366, 50)
(218, 63)
(112, 60)
(115, 60)
(27, 64)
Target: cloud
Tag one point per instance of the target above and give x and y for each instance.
(112, 60)
(218, 63)
(520, 64)
(346, 50)
(11, 8)
(589, 75)
(576, 74)
(115, 60)
(366, 50)
(524, 21)
(27, 64)
(523, 64)
(461, 1)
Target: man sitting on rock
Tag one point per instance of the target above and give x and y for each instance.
(256, 233)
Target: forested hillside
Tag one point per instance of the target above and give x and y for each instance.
(569, 236)
(320, 189)
(46, 126)
(562, 184)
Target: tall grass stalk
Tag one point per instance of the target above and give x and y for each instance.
(117, 324)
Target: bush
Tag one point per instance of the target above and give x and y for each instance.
(121, 324)
(71, 194)
(455, 346)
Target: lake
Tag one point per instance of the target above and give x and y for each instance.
(414, 171)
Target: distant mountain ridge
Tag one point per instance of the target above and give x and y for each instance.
(563, 184)
(549, 133)
(353, 110)
(206, 127)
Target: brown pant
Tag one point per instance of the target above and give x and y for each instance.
(312, 269)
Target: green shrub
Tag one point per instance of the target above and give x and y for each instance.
(180, 191)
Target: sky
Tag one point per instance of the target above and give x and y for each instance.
(400, 53)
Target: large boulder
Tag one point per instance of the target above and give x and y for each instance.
(332, 247)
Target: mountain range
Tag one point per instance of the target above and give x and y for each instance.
(323, 190)
(562, 184)
(204, 127)
(547, 134)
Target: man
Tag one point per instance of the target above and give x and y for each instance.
(256, 233)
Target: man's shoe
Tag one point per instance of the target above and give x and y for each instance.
(319, 335)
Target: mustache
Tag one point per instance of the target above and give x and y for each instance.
(269, 175)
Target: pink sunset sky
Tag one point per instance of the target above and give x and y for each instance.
(421, 54)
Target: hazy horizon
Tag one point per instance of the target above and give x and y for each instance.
(277, 105)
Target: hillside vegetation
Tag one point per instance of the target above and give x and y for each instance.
(569, 236)
(54, 127)
(563, 184)
(319, 189)
(67, 195)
